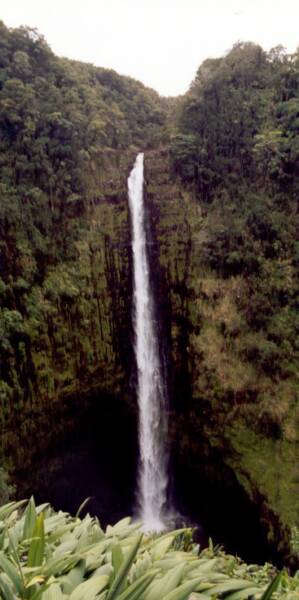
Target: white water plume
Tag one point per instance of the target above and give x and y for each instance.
(152, 484)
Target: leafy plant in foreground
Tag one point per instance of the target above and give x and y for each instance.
(53, 556)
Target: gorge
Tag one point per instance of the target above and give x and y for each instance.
(220, 197)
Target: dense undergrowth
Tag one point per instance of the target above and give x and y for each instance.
(68, 134)
(64, 126)
(235, 149)
(57, 116)
(54, 556)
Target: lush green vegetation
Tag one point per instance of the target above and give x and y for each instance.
(68, 134)
(227, 231)
(236, 151)
(55, 556)
(56, 118)
(239, 121)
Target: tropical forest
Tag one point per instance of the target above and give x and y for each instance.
(149, 329)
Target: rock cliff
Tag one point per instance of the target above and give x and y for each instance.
(220, 431)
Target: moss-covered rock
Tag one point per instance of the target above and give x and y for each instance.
(226, 402)
(72, 333)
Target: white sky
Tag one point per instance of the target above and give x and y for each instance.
(159, 42)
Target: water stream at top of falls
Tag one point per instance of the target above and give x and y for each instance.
(151, 392)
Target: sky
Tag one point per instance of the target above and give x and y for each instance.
(160, 42)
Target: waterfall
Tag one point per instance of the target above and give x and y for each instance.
(151, 395)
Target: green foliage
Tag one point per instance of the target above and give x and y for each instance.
(295, 539)
(56, 116)
(242, 112)
(6, 488)
(68, 134)
(236, 150)
(51, 555)
(183, 152)
(230, 268)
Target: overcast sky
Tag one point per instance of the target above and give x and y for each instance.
(160, 42)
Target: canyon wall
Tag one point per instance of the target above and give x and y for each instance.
(221, 432)
(73, 345)
(72, 335)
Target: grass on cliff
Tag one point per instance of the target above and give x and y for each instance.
(54, 556)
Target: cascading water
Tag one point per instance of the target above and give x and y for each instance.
(152, 484)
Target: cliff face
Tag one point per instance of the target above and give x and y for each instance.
(65, 291)
(79, 350)
(74, 342)
(221, 430)
(73, 335)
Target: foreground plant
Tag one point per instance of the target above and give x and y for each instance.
(53, 556)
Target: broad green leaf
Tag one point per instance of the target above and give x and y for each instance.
(30, 519)
(56, 522)
(122, 524)
(12, 572)
(162, 546)
(90, 588)
(162, 586)
(95, 556)
(141, 566)
(117, 557)
(205, 567)
(243, 594)
(39, 591)
(5, 588)
(58, 566)
(106, 569)
(84, 541)
(53, 592)
(97, 533)
(211, 576)
(122, 533)
(136, 589)
(120, 579)
(13, 540)
(58, 533)
(8, 509)
(14, 552)
(45, 508)
(183, 591)
(65, 548)
(11, 520)
(37, 545)
(73, 578)
(228, 586)
(2, 539)
(272, 587)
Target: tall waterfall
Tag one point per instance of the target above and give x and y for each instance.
(152, 484)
